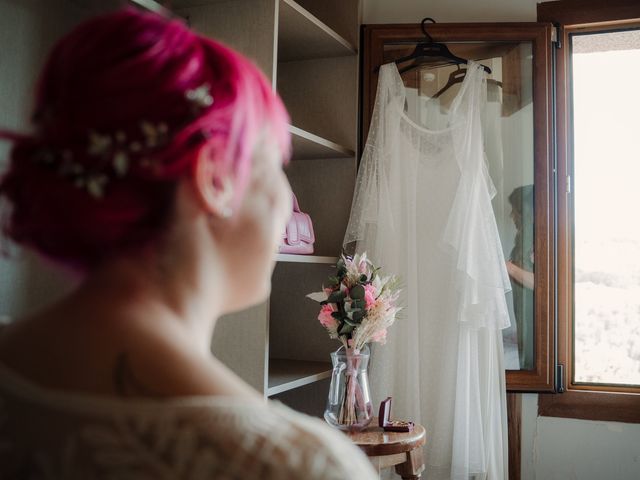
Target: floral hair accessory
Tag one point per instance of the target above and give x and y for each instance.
(200, 96)
(112, 154)
(113, 151)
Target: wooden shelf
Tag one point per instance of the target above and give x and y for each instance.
(287, 374)
(309, 146)
(193, 3)
(152, 6)
(302, 36)
(285, 257)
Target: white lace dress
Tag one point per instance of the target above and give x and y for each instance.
(46, 434)
(422, 210)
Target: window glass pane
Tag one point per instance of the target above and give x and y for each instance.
(606, 144)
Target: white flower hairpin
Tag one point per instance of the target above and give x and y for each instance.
(113, 151)
(200, 96)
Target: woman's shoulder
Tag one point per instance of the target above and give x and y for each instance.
(278, 442)
(189, 437)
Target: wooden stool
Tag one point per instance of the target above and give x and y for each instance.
(387, 449)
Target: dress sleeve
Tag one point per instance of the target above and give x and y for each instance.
(471, 234)
(372, 179)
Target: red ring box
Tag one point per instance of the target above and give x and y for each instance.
(391, 425)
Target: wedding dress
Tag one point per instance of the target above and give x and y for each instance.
(422, 210)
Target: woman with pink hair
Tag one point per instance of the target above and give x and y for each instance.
(154, 172)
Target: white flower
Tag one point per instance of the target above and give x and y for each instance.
(121, 163)
(318, 296)
(200, 96)
(98, 144)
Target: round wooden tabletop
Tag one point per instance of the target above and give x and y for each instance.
(374, 441)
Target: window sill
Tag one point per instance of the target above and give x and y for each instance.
(590, 405)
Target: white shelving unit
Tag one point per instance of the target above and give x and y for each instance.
(285, 257)
(309, 50)
(302, 36)
(309, 146)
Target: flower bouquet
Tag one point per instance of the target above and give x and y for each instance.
(358, 306)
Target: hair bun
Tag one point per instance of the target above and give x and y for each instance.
(125, 104)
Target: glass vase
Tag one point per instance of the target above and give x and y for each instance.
(349, 403)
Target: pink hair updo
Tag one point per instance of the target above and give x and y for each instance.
(125, 105)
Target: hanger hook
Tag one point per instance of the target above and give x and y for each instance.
(424, 29)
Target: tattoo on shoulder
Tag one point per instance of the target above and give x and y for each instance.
(126, 382)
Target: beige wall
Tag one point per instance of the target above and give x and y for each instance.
(552, 448)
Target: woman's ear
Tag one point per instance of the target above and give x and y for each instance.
(214, 188)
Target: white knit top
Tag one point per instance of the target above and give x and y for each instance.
(47, 434)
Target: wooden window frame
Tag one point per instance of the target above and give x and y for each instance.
(590, 402)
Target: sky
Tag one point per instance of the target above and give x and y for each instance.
(607, 215)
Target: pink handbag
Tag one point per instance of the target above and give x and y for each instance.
(298, 238)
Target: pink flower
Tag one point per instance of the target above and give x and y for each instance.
(325, 317)
(370, 295)
(362, 266)
(380, 336)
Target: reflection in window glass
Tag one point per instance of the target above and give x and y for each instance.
(508, 131)
(606, 102)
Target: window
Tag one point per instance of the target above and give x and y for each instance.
(598, 64)
(606, 243)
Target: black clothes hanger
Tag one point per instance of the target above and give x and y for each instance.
(430, 49)
(457, 76)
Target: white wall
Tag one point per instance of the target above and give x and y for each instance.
(559, 449)
(552, 448)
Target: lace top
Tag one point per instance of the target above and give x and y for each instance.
(46, 434)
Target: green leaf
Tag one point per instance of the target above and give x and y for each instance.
(345, 329)
(349, 322)
(363, 278)
(336, 315)
(357, 292)
(358, 304)
(374, 274)
(336, 297)
(358, 316)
